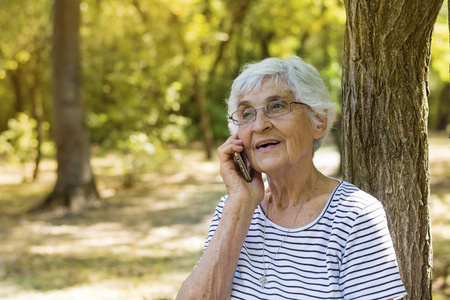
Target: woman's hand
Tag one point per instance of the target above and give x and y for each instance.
(237, 187)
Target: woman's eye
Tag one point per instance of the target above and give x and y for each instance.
(276, 106)
(247, 113)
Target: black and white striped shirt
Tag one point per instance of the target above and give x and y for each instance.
(346, 253)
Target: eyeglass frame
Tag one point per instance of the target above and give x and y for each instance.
(236, 122)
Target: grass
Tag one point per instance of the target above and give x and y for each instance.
(142, 242)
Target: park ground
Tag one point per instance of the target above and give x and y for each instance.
(143, 241)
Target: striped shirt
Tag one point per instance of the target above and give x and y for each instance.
(346, 253)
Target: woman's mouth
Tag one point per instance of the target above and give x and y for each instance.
(267, 144)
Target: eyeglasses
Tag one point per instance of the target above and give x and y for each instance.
(271, 109)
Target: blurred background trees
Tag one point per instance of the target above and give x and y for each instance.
(157, 72)
(162, 68)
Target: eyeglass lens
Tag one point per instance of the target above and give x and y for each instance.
(272, 109)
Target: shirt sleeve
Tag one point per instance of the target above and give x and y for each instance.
(369, 267)
(215, 221)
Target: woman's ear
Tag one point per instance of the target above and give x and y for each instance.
(321, 126)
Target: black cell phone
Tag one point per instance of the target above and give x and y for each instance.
(244, 165)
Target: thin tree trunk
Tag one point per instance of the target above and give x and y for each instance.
(75, 186)
(16, 79)
(239, 11)
(198, 91)
(38, 112)
(443, 115)
(385, 88)
(203, 114)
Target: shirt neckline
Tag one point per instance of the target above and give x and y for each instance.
(312, 223)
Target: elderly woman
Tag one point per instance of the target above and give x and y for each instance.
(305, 236)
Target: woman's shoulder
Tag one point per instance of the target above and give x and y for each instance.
(348, 198)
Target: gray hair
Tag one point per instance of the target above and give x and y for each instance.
(292, 74)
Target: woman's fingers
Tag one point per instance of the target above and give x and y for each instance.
(232, 144)
(236, 185)
(227, 164)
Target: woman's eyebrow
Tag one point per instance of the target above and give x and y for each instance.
(244, 103)
(268, 99)
(274, 97)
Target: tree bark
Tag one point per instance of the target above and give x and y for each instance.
(385, 88)
(75, 186)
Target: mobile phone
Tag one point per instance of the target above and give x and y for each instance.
(244, 165)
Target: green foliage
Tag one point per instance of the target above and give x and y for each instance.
(140, 152)
(140, 71)
(139, 59)
(24, 57)
(19, 142)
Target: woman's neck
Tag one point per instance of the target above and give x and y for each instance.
(291, 187)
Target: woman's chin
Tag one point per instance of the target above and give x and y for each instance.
(268, 167)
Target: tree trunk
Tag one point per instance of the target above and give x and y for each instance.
(443, 115)
(16, 81)
(38, 110)
(203, 114)
(385, 88)
(75, 186)
(199, 95)
(239, 10)
(38, 114)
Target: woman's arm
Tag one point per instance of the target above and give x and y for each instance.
(213, 276)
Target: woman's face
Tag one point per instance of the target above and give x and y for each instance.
(281, 142)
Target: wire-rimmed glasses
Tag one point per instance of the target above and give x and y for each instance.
(271, 109)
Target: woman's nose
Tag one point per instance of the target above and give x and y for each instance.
(262, 121)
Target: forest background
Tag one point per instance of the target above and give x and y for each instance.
(155, 76)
